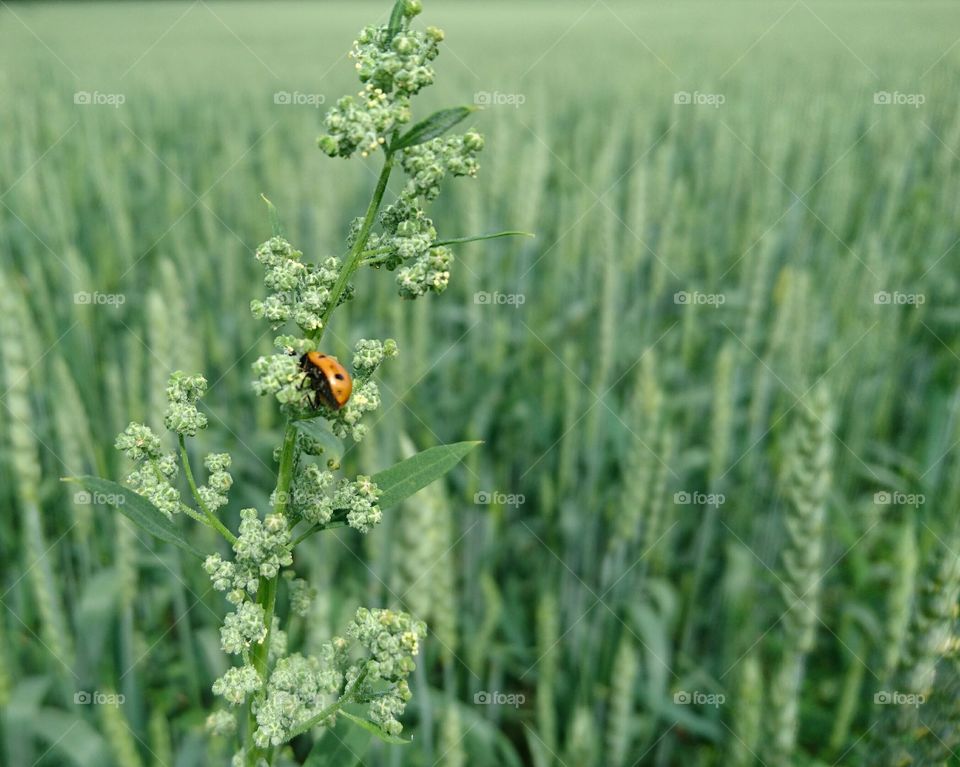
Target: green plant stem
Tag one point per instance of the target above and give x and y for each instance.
(267, 590)
(356, 252)
(214, 521)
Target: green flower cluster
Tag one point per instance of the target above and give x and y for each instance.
(302, 594)
(243, 628)
(280, 375)
(183, 393)
(363, 125)
(368, 355)
(219, 481)
(155, 472)
(263, 545)
(302, 292)
(236, 684)
(393, 640)
(299, 291)
(139, 443)
(398, 63)
(428, 164)
(222, 723)
(298, 689)
(345, 422)
(393, 65)
(407, 242)
(261, 549)
(355, 501)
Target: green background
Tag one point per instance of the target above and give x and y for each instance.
(599, 597)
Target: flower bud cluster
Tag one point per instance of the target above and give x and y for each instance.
(219, 481)
(406, 245)
(427, 164)
(359, 498)
(223, 723)
(311, 501)
(300, 687)
(299, 291)
(237, 683)
(397, 63)
(345, 422)
(356, 500)
(363, 123)
(393, 65)
(265, 544)
(369, 354)
(392, 639)
(281, 376)
(302, 595)
(183, 393)
(297, 690)
(242, 629)
(155, 471)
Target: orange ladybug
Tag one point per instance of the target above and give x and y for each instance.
(329, 380)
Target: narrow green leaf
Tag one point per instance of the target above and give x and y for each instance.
(275, 225)
(403, 479)
(70, 737)
(478, 237)
(344, 745)
(134, 507)
(385, 736)
(318, 430)
(435, 125)
(396, 18)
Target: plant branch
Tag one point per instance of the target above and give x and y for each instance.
(344, 699)
(214, 521)
(356, 252)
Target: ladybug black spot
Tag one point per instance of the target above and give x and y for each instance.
(339, 376)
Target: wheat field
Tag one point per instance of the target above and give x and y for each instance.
(713, 518)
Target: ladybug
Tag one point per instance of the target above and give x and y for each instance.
(329, 380)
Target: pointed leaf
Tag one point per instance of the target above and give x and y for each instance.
(344, 745)
(403, 479)
(396, 19)
(478, 237)
(385, 736)
(275, 225)
(317, 429)
(69, 736)
(136, 508)
(435, 125)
